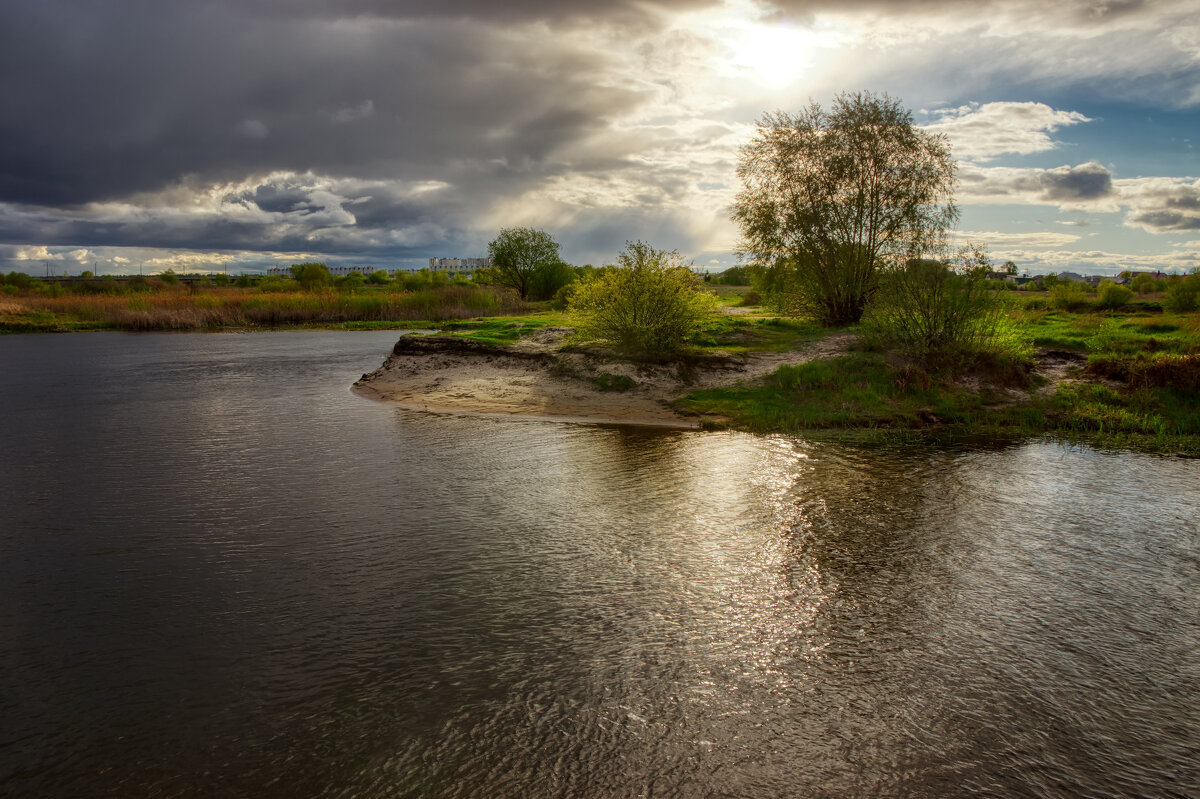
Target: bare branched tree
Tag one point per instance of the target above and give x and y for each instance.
(830, 199)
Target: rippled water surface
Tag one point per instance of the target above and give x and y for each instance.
(222, 574)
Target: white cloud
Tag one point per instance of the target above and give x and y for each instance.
(1008, 240)
(983, 132)
(1088, 185)
(1162, 205)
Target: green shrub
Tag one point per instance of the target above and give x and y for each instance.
(933, 314)
(1111, 295)
(351, 282)
(1144, 283)
(1068, 295)
(733, 276)
(1183, 295)
(19, 279)
(611, 382)
(276, 283)
(548, 278)
(311, 276)
(169, 277)
(647, 306)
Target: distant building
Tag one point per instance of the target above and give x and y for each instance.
(458, 264)
(336, 271)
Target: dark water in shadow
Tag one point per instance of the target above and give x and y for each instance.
(222, 574)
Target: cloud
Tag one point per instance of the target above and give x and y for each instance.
(372, 129)
(1008, 239)
(1089, 184)
(1162, 205)
(983, 132)
(1095, 261)
(253, 129)
(1079, 184)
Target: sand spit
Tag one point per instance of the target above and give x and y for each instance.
(536, 379)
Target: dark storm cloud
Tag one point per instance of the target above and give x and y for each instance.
(141, 103)
(112, 104)
(1090, 181)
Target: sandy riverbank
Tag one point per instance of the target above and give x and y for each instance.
(533, 379)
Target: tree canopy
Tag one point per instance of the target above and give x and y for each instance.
(830, 198)
(518, 254)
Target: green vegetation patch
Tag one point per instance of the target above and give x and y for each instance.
(735, 334)
(611, 382)
(856, 390)
(505, 330)
(1112, 333)
(872, 397)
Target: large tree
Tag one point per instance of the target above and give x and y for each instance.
(518, 254)
(830, 198)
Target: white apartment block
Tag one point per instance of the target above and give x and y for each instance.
(458, 264)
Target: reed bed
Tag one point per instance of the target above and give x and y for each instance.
(180, 309)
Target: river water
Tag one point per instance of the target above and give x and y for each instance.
(223, 574)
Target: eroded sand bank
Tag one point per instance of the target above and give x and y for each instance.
(533, 379)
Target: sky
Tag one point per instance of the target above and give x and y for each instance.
(237, 135)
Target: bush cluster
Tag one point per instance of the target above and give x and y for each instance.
(648, 306)
(935, 315)
(1112, 295)
(1183, 295)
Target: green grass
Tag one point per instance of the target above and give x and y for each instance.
(611, 382)
(869, 396)
(861, 390)
(505, 330)
(737, 334)
(1112, 333)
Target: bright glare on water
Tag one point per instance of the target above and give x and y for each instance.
(223, 574)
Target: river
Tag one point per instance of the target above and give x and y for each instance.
(224, 574)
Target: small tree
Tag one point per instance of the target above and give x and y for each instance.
(1112, 295)
(647, 306)
(1143, 283)
(1183, 295)
(937, 312)
(548, 279)
(830, 199)
(518, 253)
(311, 275)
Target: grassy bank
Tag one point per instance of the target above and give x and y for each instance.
(1127, 379)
